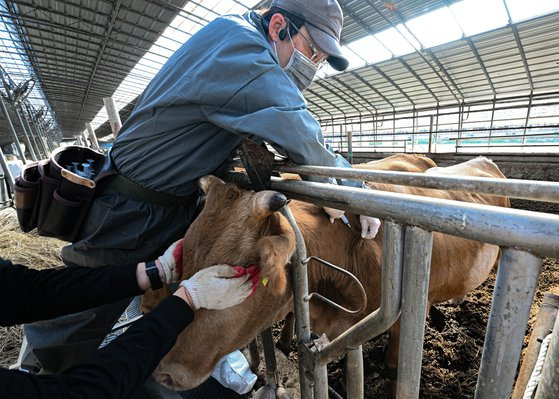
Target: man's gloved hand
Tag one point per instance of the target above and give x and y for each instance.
(220, 287)
(171, 262)
(333, 213)
(369, 226)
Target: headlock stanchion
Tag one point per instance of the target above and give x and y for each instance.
(524, 237)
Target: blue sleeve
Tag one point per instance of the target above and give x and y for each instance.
(341, 162)
(272, 108)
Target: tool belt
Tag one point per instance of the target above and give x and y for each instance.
(54, 195)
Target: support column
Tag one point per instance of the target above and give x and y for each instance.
(92, 136)
(12, 131)
(26, 136)
(32, 134)
(114, 117)
(6, 169)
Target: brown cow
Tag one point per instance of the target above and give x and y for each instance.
(242, 227)
(400, 162)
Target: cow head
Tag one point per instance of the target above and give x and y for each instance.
(236, 227)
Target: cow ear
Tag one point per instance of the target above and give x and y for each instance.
(275, 252)
(205, 182)
(266, 202)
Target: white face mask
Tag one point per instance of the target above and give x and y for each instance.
(300, 69)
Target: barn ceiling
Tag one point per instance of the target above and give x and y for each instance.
(79, 51)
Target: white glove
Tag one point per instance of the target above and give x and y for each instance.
(219, 287)
(171, 262)
(333, 213)
(369, 226)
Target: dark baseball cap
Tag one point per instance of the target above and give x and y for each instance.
(324, 20)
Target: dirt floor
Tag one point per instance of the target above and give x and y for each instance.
(454, 338)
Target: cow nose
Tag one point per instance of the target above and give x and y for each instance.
(165, 379)
(277, 201)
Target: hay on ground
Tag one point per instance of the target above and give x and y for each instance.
(27, 248)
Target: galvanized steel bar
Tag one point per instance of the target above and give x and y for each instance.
(26, 136)
(382, 318)
(500, 226)
(515, 286)
(269, 357)
(114, 117)
(354, 373)
(7, 172)
(12, 131)
(515, 188)
(300, 291)
(415, 287)
(40, 137)
(549, 382)
(31, 133)
(92, 136)
(320, 388)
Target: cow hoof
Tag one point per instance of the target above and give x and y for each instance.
(457, 301)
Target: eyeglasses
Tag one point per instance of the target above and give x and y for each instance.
(315, 52)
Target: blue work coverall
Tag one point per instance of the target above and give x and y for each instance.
(222, 85)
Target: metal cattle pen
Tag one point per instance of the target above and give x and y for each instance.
(409, 221)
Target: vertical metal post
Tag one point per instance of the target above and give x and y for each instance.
(50, 142)
(26, 136)
(354, 373)
(517, 278)
(12, 131)
(417, 265)
(350, 146)
(85, 141)
(34, 125)
(6, 169)
(320, 388)
(300, 291)
(430, 148)
(114, 117)
(92, 136)
(31, 133)
(549, 382)
(269, 357)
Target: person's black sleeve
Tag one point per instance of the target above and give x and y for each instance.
(115, 371)
(28, 295)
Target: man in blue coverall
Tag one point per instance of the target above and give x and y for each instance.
(238, 77)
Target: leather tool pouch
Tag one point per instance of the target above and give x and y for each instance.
(54, 199)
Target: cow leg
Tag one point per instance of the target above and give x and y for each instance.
(284, 343)
(391, 358)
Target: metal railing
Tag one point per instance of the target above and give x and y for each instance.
(524, 237)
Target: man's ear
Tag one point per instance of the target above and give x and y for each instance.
(277, 23)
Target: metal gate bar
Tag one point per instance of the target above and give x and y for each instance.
(515, 286)
(355, 380)
(384, 317)
(515, 188)
(517, 231)
(300, 291)
(415, 287)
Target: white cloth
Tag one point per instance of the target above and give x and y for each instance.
(233, 371)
